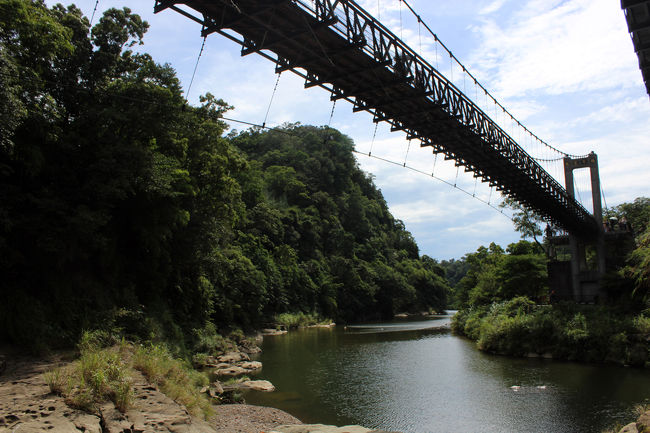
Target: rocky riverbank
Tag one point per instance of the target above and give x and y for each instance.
(27, 404)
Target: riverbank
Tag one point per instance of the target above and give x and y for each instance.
(134, 388)
(564, 331)
(28, 405)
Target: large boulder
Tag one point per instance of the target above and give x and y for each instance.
(230, 371)
(258, 385)
(630, 428)
(251, 366)
(643, 423)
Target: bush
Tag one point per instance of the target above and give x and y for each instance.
(641, 325)
(208, 341)
(100, 374)
(569, 331)
(297, 320)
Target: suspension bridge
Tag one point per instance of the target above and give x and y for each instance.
(339, 46)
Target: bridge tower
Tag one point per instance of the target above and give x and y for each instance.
(586, 274)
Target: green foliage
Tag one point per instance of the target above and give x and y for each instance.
(297, 320)
(637, 214)
(100, 374)
(207, 341)
(638, 269)
(526, 221)
(56, 381)
(493, 274)
(566, 331)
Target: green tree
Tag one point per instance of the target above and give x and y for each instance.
(526, 221)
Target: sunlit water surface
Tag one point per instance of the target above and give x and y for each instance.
(408, 377)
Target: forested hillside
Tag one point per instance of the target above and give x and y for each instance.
(123, 207)
(505, 304)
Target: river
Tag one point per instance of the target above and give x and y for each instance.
(407, 377)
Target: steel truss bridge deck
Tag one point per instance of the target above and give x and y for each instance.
(337, 45)
(637, 16)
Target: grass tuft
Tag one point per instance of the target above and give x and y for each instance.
(57, 380)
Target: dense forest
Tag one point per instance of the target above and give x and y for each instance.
(123, 207)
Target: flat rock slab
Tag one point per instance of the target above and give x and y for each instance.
(152, 412)
(27, 406)
(255, 385)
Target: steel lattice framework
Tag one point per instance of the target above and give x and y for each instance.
(337, 45)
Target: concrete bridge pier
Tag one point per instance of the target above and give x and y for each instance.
(586, 270)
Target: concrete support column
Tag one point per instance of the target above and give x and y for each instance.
(598, 211)
(573, 240)
(578, 255)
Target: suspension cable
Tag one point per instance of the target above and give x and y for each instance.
(407, 153)
(401, 36)
(435, 160)
(331, 113)
(435, 36)
(372, 143)
(268, 109)
(92, 18)
(187, 94)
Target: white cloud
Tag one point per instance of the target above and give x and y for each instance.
(557, 47)
(492, 7)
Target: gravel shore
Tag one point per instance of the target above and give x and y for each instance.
(243, 418)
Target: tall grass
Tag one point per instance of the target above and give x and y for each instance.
(175, 378)
(100, 374)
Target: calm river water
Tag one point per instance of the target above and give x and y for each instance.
(402, 376)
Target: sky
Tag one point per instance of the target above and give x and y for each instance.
(566, 69)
